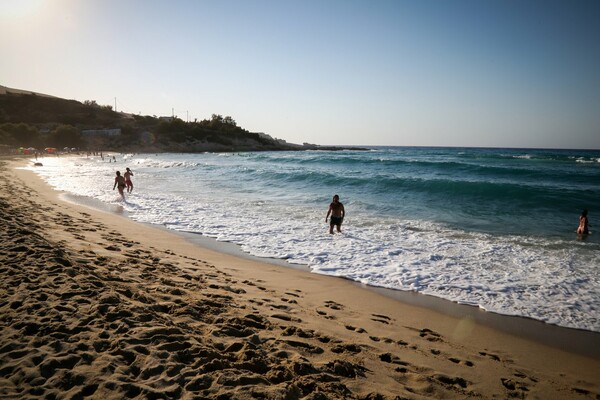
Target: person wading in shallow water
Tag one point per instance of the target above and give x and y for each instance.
(583, 228)
(120, 182)
(128, 174)
(336, 209)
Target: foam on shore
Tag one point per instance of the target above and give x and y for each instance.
(573, 340)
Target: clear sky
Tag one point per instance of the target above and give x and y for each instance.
(500, 73)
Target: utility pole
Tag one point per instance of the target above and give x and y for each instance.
(187, 113)
(115, 104)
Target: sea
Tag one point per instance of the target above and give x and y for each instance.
(488, 227)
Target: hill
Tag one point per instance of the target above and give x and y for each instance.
(29, 119)
(5, 90)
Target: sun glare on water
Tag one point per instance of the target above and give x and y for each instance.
(18, 8)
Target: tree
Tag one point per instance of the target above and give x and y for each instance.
(6, 137)
(229, 121)
(65, 136)
(19, 134)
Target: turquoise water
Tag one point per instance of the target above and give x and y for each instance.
(494, 228)
(498, 191)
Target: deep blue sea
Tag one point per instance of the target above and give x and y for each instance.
(493, 228)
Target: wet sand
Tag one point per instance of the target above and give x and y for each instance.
(95, 305)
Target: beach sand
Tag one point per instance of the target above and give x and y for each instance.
(93, 305)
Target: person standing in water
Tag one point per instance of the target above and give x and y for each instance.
(128, 174)
(583, 229)
(337, 211)
(120, 182)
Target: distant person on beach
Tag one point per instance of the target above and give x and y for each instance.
(128, 174)
(583, 224)
(120, 182)
(336, 209)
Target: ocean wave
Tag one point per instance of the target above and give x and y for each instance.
(155, 163)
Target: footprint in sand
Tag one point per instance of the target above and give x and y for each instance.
(345, 369)
(384, 319)
(333, 305)
(306, 347)
(586, 392)
(521, 375)
(430, 335)
(489, 355)
(452, 381)
(346, 348)
(516, 388)
(459, 361)
(392, 359)
(285, 317)
(355, 329)
(324, 314)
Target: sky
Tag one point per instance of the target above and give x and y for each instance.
(332, 72)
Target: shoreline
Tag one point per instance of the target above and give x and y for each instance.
(97, 304)
(500, 267)
(573, 340)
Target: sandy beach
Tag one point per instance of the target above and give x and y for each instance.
(94, 305)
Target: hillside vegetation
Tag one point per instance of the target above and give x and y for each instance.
(40, 121)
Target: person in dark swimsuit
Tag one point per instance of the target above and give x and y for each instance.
(336, 209)
(120, 182)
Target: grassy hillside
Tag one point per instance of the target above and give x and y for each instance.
(37, 110)
(29, 119)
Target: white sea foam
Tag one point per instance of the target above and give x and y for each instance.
(543, 278)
